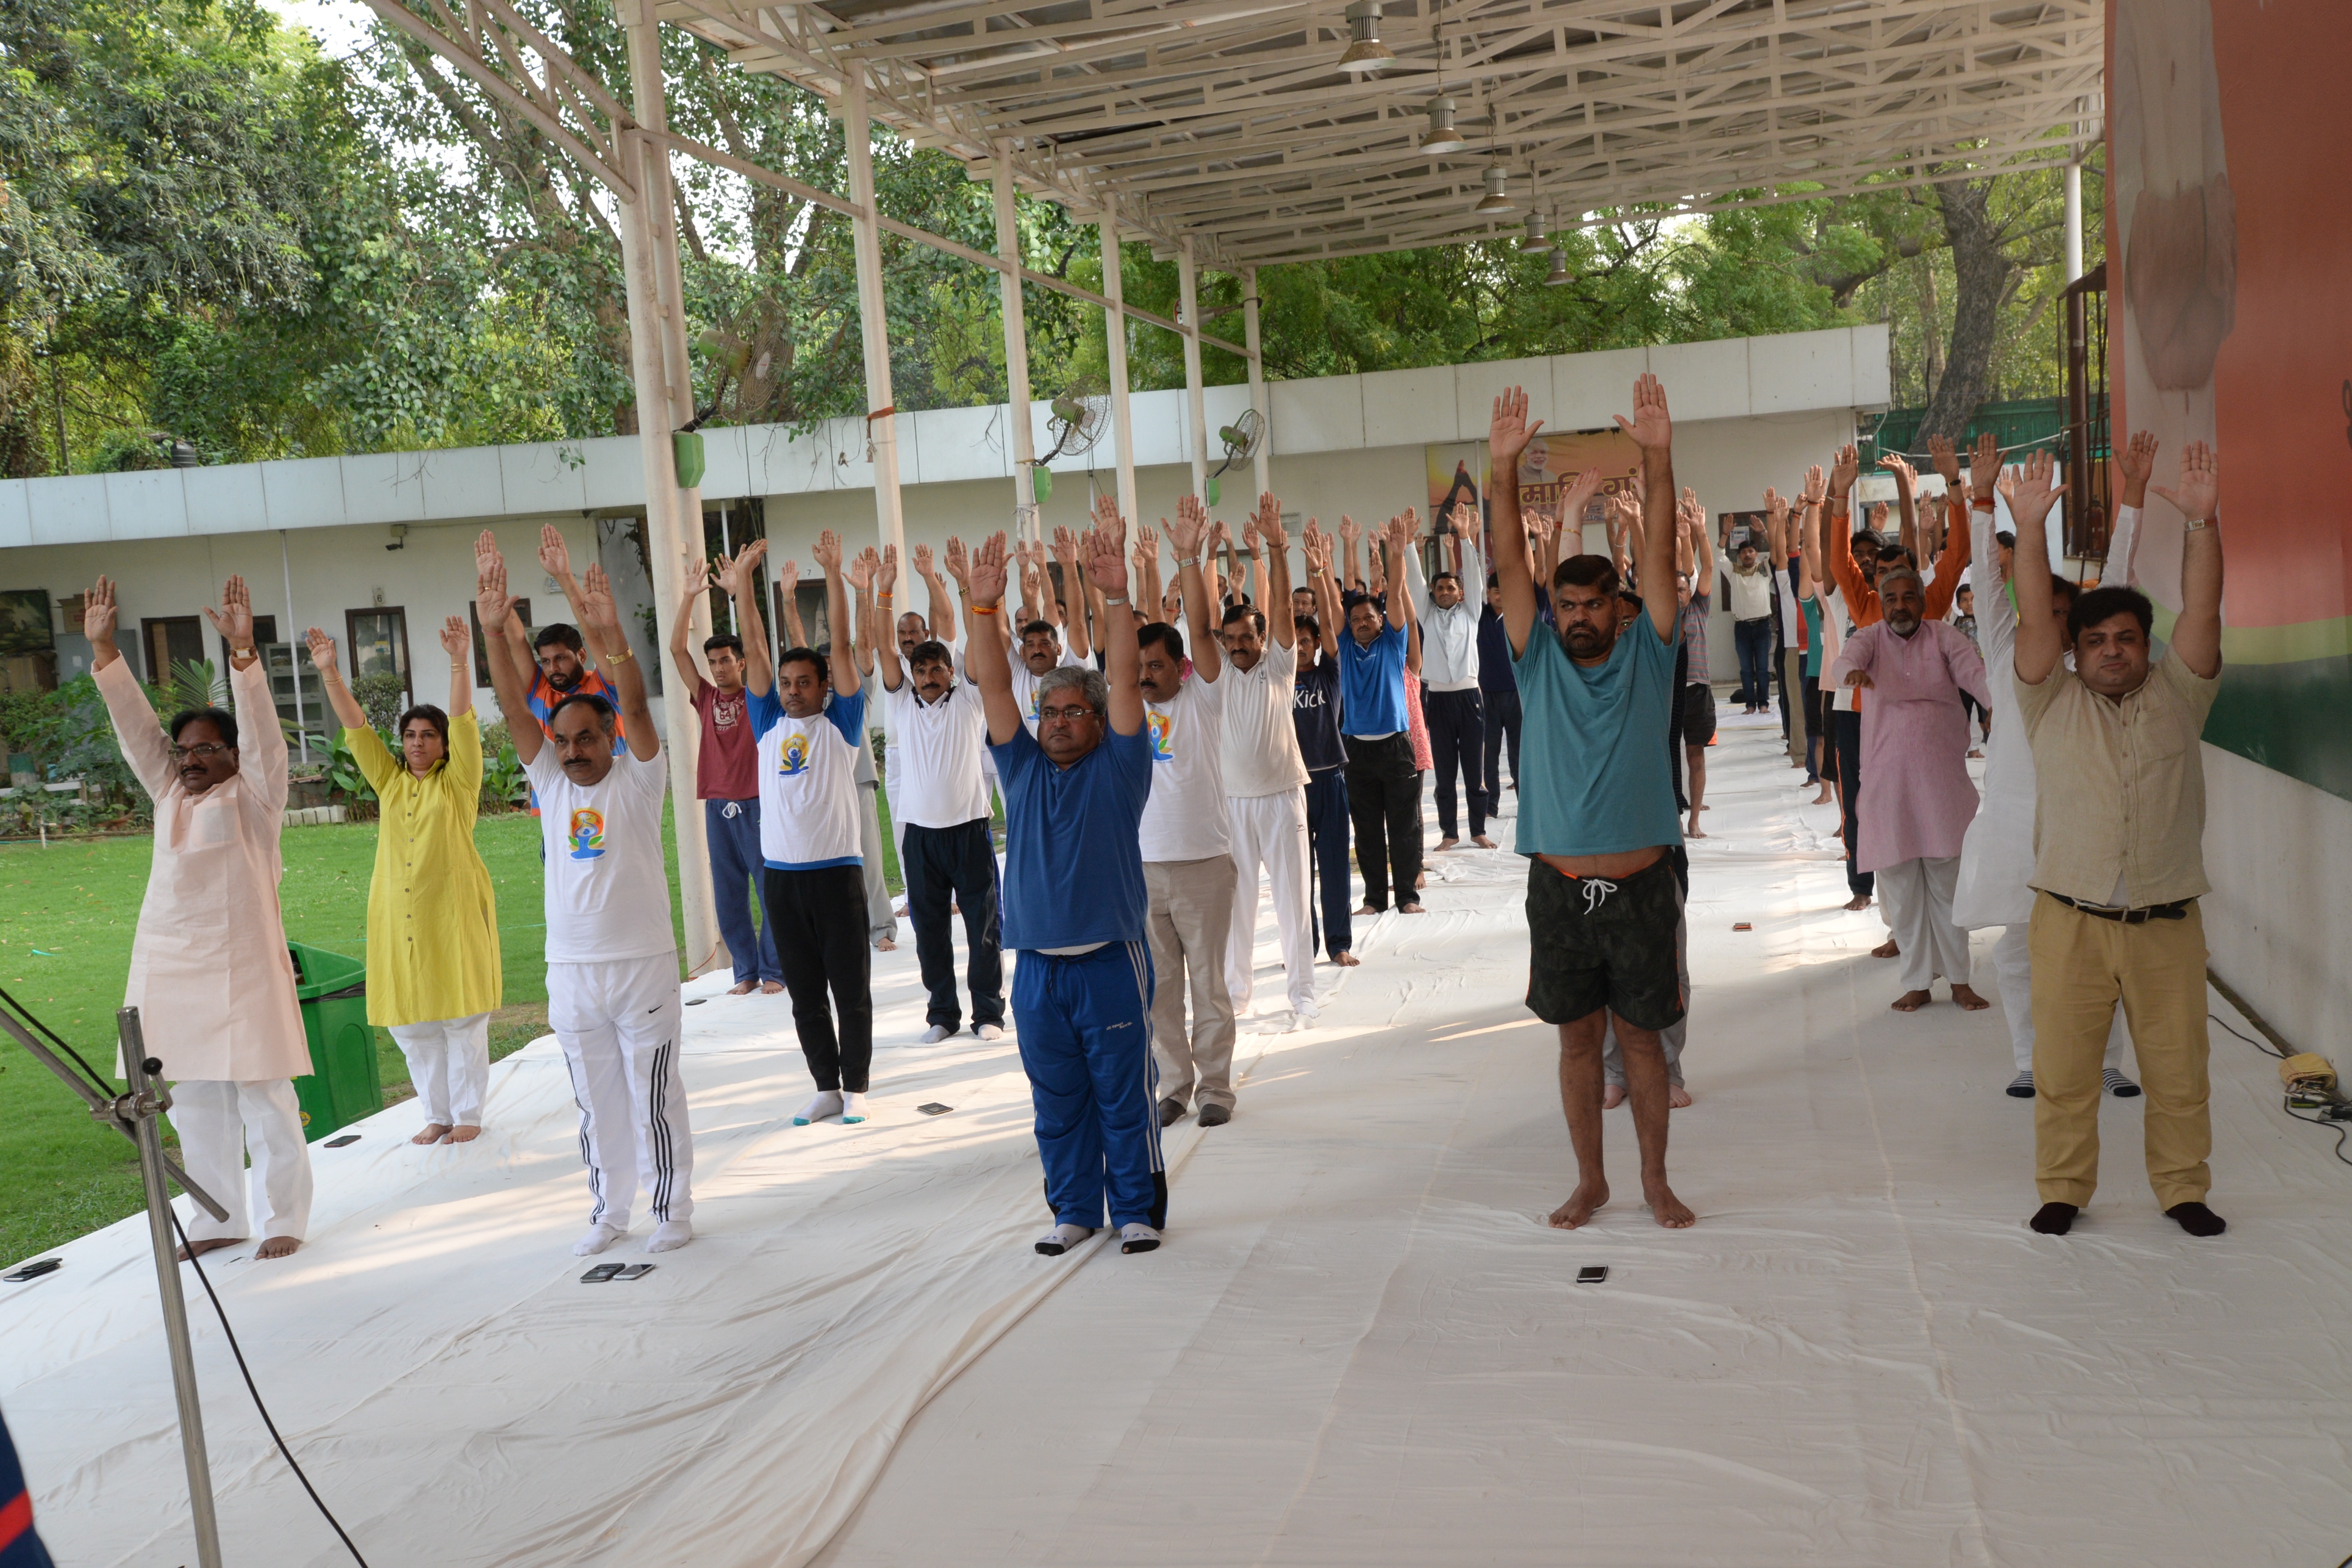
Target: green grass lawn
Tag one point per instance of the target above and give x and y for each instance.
(67, 917)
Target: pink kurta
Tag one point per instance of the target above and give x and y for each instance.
(1916, 800)
(209, 971)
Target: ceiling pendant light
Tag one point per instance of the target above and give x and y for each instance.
(1559, 274)
(1497, 199)
(1365, 53)
(1441, 138)
(1534, 238)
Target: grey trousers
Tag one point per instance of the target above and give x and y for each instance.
(1188, 923)
(879, 919)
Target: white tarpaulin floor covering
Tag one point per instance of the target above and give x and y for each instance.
(1360, 1345)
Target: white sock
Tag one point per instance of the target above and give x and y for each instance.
(852, 1109)
(1063, 1237)
(990, 1031)
(1137, 1237)
(599, 1237)
(669, 1236)
(826, 1103)
(934, 1034)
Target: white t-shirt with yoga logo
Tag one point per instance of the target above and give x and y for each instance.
(1185, 817)
(607, 889)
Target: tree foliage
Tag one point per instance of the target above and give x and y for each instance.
(210, 230)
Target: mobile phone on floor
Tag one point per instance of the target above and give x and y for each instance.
(33, 1270)
(635, 1272)
(600, 1273)
(345, 1142)
(1592, 1274)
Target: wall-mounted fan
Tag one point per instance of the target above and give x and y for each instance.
(1079, 415)
(1242, 438)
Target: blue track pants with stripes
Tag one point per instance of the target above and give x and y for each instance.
(1085, 1026)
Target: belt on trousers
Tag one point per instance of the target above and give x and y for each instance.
(2177, 911)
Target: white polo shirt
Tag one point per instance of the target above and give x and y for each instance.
(1185, 817)
(808, 782)
(607, 895)
(939, 746)
(1260, 734)
(1024, 685)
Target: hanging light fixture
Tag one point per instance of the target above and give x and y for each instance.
(1441, 138)
(1365, 53)
(1534, 240)
(1559, 274)
(1497, 199)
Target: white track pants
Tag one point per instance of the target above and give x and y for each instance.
(449, 1064)
(618, 1024)
(219, 1122)
(2012, 970)
(1270, 831)
(1919, 899)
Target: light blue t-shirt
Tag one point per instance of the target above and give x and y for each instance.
(1371, 682)
(1594, 776)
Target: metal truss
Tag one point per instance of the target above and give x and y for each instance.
(1227, 122)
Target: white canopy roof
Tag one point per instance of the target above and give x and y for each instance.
(1230, 121)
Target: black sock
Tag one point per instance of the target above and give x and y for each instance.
(2196, 1219)
(2054, 1219)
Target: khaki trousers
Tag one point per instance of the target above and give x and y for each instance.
(2082, 966)
(1191, 917)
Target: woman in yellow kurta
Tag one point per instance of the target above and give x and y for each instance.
(432, 927)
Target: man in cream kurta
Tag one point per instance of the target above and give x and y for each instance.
(209, 970)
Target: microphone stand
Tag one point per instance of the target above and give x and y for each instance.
(133, 1115)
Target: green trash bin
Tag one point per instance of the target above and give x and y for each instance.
(342, 1085)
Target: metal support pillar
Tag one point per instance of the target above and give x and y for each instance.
(881, 418)
(1187, 287)
(1114, 333)
(1261, 462)
(2073, 221)
(657, 353)
(1026, 521)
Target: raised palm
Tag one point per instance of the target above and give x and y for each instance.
(597, 608)
(2028, 492)
(97, 612)
(1651, 427)
(554, 553)
(322, 651)
(987, 572)
(2197, 496)
(454, 639)
(1509, 430)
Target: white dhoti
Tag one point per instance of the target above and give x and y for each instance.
(1919, 899)
(619, 1023)
(220, 1122)
(1269, 831)
(449, 1064)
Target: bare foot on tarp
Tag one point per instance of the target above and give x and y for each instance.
(1859, 901)
(1677, 1097)
(1345, 958)
(1581, 1202)
(1969, 1000)
(464, 1134)
(1613, 1097)
(771, 987)
(1667, 1209)
(210, 1243)
(1909, 1002)
(1885, 949)
(743, 988)
(278, 1247)
(431, 1132)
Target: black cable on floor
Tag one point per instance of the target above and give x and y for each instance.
(2343, 1129)
(257, 1404)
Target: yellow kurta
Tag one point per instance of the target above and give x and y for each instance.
(433, 923)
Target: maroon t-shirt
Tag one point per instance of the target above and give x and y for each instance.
(729, 767)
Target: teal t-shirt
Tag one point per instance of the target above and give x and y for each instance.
(1594, 776)
(1813, 636)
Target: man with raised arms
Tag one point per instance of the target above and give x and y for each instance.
(612, 958)
(1074, 911)
(1597, 812)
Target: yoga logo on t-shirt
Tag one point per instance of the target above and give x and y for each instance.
(793, 756)
(587, 836)
(1162, 727)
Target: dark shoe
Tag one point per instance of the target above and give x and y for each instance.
(2056, 1219)
(1215, 1115)
(1171, 1111)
